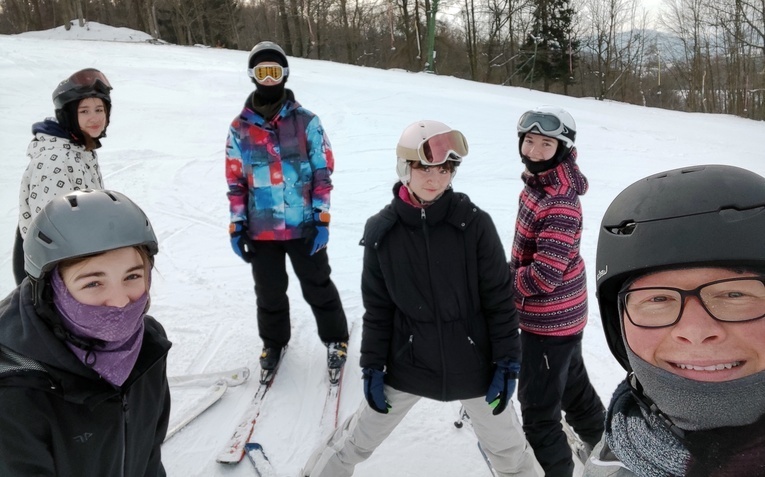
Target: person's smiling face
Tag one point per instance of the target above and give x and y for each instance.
(91, 116)
(539, 148)
(698, 346)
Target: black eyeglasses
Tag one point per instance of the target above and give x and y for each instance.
(733, 300)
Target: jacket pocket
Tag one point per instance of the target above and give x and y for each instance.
(406, 351)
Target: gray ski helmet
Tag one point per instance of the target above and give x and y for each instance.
(87, 83)
(84, 223)
(708, 215)
(268, 50)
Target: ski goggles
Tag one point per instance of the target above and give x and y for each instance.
(437, 149)
(262, 72)
(546, 123)
(90, 78)
(87, 82)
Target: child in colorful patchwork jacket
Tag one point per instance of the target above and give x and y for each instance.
(278, 167)
(550, 292)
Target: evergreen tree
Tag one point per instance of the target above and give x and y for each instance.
(550, 50)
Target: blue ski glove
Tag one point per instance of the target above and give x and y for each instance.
(321, 231)
(240, 242)
(321, 238)
(502, 385)
(373, 389)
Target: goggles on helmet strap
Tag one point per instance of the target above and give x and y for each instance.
(262, 72)
(437, 149)
(546, 123)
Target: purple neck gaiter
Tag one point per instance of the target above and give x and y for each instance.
(119, 329)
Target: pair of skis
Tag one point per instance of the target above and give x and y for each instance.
(240, 445)
(216, 384)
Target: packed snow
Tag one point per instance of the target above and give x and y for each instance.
(165, 149)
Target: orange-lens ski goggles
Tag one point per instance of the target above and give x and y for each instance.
(263, 72)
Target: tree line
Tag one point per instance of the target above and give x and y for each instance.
(707, 56)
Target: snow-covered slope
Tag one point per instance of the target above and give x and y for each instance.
(165, 149)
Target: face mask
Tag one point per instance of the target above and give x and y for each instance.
(696, 405)
(120, 331)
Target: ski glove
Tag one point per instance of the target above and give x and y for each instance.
(502, 385)
(373, 390)
(240, 242)
(321, 238)
(321, 231)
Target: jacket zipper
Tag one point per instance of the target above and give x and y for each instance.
(125, 421)
(423, 218)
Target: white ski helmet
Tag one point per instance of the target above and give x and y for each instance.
(417, 144)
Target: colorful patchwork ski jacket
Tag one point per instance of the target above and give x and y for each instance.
(549, 282)
(278, 172)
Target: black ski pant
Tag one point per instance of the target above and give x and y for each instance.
(553, 378)
(270, 274)
(18, 258)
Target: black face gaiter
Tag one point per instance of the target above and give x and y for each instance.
(270, 94)
(538, 167)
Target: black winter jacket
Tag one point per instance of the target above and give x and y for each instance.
(59, 418)
(437, 296)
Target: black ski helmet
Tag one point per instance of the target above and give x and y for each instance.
(87, 83)
(84, 223)
(268, 51)
(83, 84)
(708, 215)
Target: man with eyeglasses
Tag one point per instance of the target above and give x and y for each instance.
(681, 289)
(278, 166)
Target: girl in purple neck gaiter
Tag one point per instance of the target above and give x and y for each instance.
(83, 367)
(102, 299)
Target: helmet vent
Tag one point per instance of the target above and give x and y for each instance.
(735, 215)
(72, 199)
(44, 238)
(626, 228)
(111, 196)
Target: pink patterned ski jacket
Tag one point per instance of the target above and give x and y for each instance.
(549, 276)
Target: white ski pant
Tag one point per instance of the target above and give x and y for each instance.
(501, 437)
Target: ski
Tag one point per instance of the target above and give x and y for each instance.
(578, 448)
(213, 394)
(331, 405)
(233, 377)
(459, 423)
(259, 460)
(329, 414)
(233, 452)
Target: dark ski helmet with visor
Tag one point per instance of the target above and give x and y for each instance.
(87, 83)
(708, 215)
